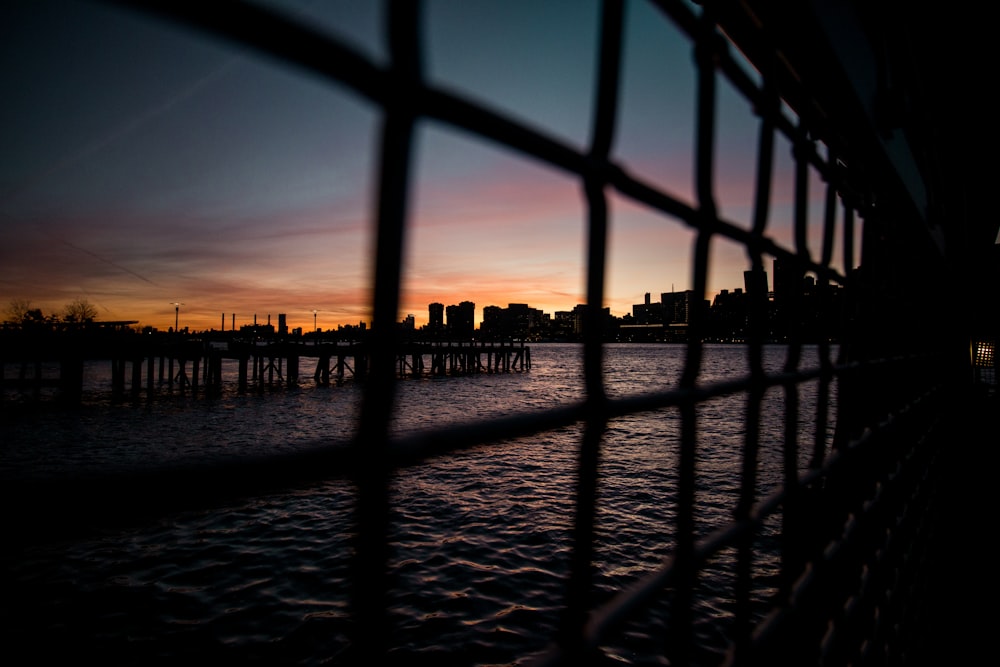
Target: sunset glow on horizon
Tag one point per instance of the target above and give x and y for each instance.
(147, 166)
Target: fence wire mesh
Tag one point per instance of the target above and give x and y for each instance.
(851, 520)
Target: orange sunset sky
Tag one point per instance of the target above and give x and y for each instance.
(145, 165)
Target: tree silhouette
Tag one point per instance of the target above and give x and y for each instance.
(80, 310)
(19, 310)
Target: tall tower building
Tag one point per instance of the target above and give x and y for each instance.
(755, 282)
(785, 281)
(461, 320)
(435, 320)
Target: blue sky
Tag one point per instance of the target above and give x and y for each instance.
(145, 165)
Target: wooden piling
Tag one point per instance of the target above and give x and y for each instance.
(242, 363)
(136, 375)
(323, 369)
(293, 368)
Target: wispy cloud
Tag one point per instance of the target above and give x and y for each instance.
(121, 268)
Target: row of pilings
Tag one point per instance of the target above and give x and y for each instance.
(139, 366)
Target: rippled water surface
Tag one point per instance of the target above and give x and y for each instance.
(480, 539)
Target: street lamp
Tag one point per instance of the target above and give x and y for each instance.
(177, 314)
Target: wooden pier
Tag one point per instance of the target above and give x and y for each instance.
(141, 366)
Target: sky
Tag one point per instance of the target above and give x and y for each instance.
(145, 166)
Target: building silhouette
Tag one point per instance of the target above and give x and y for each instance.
(435, 321)
(461, 320)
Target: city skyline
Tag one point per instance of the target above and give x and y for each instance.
(234, 321)
(147, 166)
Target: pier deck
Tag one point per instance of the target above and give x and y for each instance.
(138, 364)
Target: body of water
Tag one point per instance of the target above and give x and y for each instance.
(480, 539)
